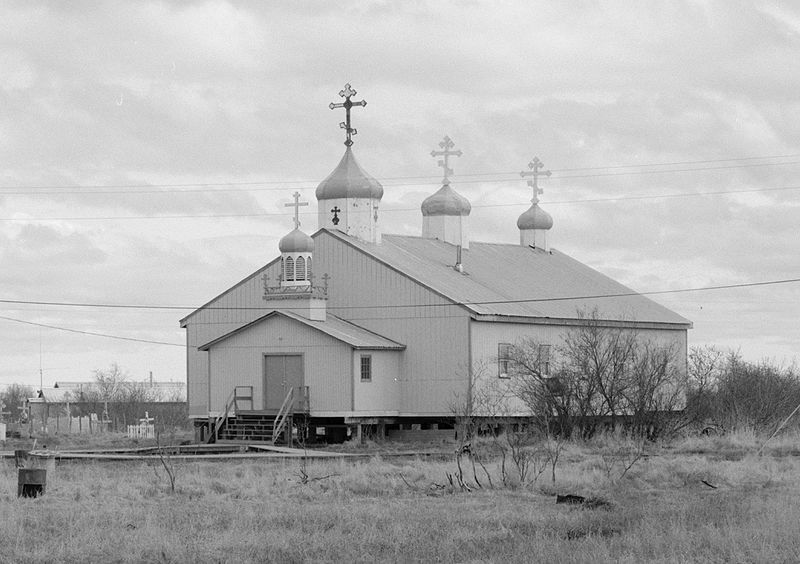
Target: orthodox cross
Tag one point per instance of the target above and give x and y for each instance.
(335, 211)
(347, 93)
(325, 278)
(446, 144)
(535, 165)
(296, 205)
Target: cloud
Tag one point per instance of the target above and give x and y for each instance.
(160, 93)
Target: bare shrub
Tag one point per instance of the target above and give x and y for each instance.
(738, 395)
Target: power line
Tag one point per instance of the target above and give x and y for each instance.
(193, 187)
(493, 302)
(395, 210)
(407, 306)
(91, 333)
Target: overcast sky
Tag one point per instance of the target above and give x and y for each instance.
(147, 150)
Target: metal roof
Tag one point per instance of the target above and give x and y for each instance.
(514, 280)
(57, 395)
(341, 330)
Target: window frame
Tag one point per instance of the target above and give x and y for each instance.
(365, 377)
(504, 360)
(544, 359)
(288, 270)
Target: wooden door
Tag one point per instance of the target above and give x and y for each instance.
(281, 372)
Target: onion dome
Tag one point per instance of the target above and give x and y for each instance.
(446, 201)
(348, 180)
(535, 218)
(296, 242)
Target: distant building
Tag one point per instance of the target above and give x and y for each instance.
(154, 390)
(381, 329)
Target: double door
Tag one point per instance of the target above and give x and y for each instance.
(281, 373)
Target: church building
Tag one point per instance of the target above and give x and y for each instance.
(350, 326)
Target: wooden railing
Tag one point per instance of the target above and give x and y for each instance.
(296, 400)
(231, 405)
(284, 416)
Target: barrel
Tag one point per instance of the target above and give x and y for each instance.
(32, 482)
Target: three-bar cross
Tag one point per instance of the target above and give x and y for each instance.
(534, 167)
(296, 205)
(347, 93)
(446, 144)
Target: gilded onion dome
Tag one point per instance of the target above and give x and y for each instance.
(446, 201)
(349, 180)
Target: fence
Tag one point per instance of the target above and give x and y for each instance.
(83, 417)
(142, 431)
(62, 423)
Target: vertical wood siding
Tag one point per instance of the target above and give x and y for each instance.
(237, 306)
(434, 365)
(486, 336)
(382, 393)
(239, 361)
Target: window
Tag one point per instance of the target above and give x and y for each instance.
(504, 360)
(366, 368)
(308, 268)
(544, 359)
(300, 269)
(288, 271)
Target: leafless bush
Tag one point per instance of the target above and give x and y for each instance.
(167, 463)
(739, 395)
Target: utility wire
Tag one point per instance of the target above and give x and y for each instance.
(407, 306)
(192, 187)
(148, 341)
(93, 334)
(395, 210)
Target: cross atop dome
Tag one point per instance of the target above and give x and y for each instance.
(347, 92)
(446, 144)
(296, 205)
(534, 167)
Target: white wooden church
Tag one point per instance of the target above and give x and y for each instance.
(350, 326)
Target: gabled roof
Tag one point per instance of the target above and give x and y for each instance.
(341, 330)
(513, 280)
(245, 280)
(57, 395)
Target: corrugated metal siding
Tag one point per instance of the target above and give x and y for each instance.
(433, 366)
(238, 361)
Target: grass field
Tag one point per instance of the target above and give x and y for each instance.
(390, 509)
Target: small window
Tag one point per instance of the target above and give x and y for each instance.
(544, 359)
(300, 269)
(288, 272)
(366, 368)
(504, 360)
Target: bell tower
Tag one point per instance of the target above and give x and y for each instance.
(535, 222)
(349, 197)
(445, 214)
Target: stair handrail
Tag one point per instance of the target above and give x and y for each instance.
(223, 419)
(282, 416)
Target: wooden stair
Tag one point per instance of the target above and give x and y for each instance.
(236, 424)
(248, 426)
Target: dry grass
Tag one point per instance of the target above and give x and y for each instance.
(390, 510)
